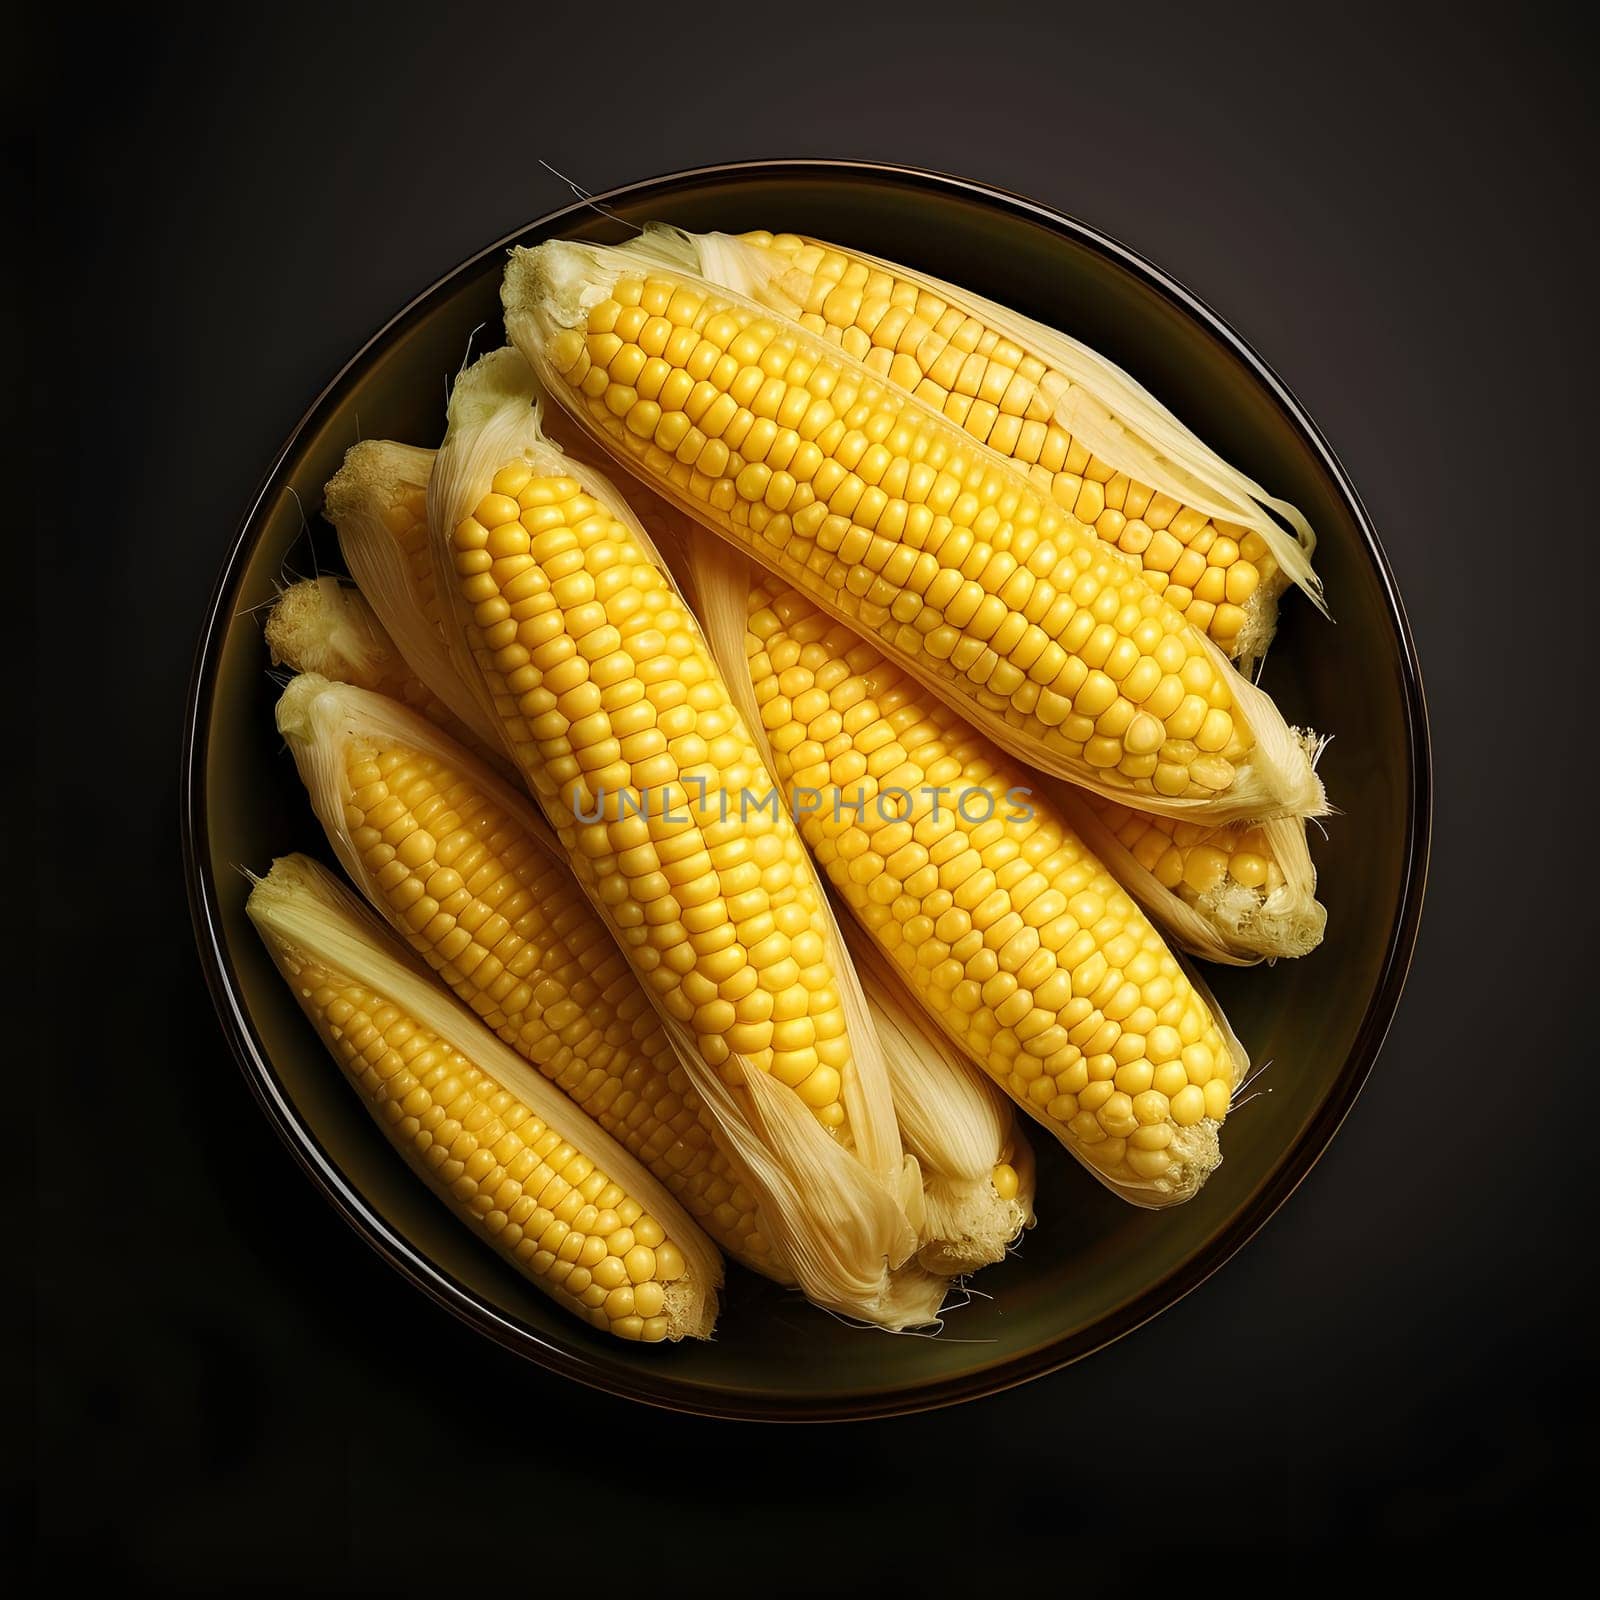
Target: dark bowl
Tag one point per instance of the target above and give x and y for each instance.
(1094, 1268)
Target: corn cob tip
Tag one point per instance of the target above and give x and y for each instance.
(1236, 895)
(553, 285)
(1195, 1151)
(1291, 931)
(374, 471)
(1291, 920)
(1278, 778)
(317, 621)
(1257, 631)
(293, 879)
(974, 1168)
(547, 292)
(500, 379)
(297, 708)
(327, 626)
(1283, 924)
(545, 286)
(969, 1224)
(1194, 1154)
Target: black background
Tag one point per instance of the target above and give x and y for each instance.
(1396, 208)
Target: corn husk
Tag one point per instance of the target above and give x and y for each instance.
(303, 913)
(1229, 924)
(326, 627)
(547, 292)
(977, 1165)
(376, 477)
(838, 1215)
(1090, 398)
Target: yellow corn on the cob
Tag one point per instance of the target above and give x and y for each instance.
(378, 503)
(467, 874)
(324, 626)
(893, 519)
(506, 1151)
(610, 705)
(977, 1167)
(1018, 941)
(1237, 895)
(1084, 431)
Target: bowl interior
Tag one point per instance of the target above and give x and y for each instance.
(1093, 1267)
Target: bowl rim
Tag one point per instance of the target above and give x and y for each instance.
(665, 1390)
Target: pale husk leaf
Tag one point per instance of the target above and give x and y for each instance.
(955, 1121)
(374, 474)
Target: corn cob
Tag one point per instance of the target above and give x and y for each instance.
(977, 1167)
(1236, 895)
(607, 700)
(1084, 431)
(894, 520)
(506, 1151)
(377, 502)
(467, 874)
(1017, 940)
(323, 626)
